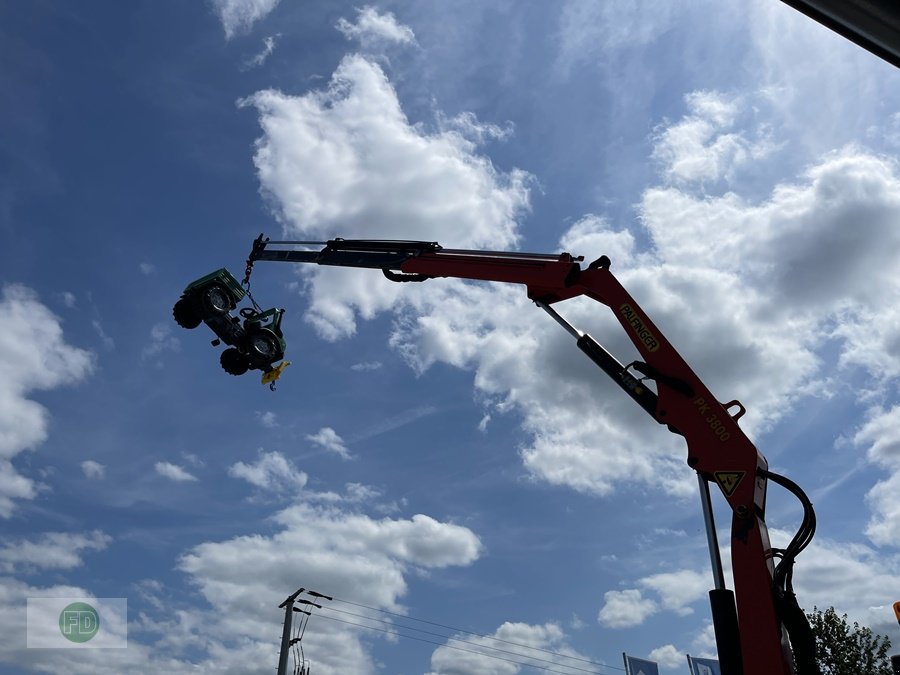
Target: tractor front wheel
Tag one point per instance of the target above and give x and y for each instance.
(264, 347)
(233, 362)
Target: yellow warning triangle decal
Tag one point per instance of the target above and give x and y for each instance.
(729, 480)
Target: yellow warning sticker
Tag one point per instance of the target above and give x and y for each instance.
(729, 480)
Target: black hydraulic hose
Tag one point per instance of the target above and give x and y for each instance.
(790, 613)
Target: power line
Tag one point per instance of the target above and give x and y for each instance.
(471, 651)
(467, 632)
(469, 642)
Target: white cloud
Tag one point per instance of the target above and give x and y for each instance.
(700, 146)
(68, 299)
(881, 435)
(260, 57)
(173, 472)
(779, 35)
(668, 656)
(884, 498)
(483, 423)
(33, 356)
(107, 341)
(345, 161)
(93, 469)
(677, 590)
(591, 31)
(328, 439)
(324, 158)
(238, 16)
(268, 419)
(624, 609)
(361, 559)
(138, 658)
(272, 472)
(493, 654)
(372, 29)
(147, 268)
(850, 577)
(366, 366)
(161, 340)
(51, 550)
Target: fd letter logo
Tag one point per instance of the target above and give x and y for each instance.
(79, 622)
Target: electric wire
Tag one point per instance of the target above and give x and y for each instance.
(469, 642)
(467, 632)
(472, 651)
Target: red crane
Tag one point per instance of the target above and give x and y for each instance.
(766, 632)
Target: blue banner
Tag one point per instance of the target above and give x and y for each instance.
(704, 666)
(636, 666)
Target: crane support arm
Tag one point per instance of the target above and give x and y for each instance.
(717, 448)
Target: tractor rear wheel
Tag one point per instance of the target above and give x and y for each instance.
(185, 314)
(216, 300)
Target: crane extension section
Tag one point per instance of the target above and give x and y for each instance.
(768, 633)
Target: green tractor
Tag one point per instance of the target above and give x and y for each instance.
(254, 344)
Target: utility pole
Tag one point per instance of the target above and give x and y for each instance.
(289, 609)
(288, 605)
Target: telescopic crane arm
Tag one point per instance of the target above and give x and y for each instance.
(756, 644)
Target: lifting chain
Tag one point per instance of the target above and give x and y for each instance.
(246, 282)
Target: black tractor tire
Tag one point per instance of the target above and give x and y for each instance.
(263, 347)
(233, 362)
(216, 300)
(186, 314)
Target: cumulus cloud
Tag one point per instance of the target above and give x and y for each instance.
(238, 16)
(51, 550)
(328, 439)
(880, 434)
(272, 472)
(351, 555)
(173, 472)
(502, 652)
(678, 590)
(668, 656)
(624, 609)
(761, 264)
(701, 146)
(675, 591)
(33, 356)
(372, 28)
(345, 161)
(93, 469)
(14, 595)
(850, 577)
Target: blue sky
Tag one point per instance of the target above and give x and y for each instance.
(443, 451)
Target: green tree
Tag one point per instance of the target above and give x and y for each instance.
(843, 649)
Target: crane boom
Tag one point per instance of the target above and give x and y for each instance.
(756, 643)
